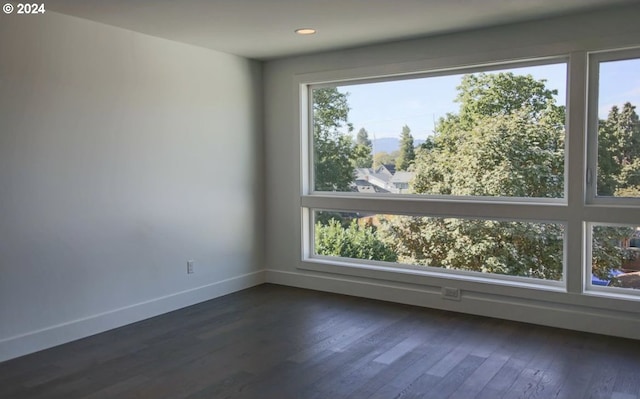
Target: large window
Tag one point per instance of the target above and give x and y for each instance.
(467, 172)
(497, 133)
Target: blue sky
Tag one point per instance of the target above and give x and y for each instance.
(384, 108)
(619, 83)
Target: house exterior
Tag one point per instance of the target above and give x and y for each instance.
(383, 179)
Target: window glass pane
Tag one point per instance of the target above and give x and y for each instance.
(498, 133)
(524, 249)
(619, 129)
(615, 256)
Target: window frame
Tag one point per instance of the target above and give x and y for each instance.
(575, 211)
(593, 122)
(307, 91)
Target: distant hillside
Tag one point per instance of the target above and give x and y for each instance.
(390, 144)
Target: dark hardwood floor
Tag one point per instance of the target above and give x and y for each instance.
(279, 342)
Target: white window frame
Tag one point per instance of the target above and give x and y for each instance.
(309, 188)
(595, 59)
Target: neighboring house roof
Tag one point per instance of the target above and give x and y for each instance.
(363, 172)
(364, 186)
(402, 177)
(382, 177)
(389, 167)
(386, 168)
(385, 179)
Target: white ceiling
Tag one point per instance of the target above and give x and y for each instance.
(263, 29)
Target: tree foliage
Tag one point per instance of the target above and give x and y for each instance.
(505, 155)
(607, 252)
(363, 151)
(488, 150)
(619, 153)
(512, 248)
(506, 140)
(487, 95)
(353, 241)
(407, 152)
(384, 158)
(362, 138)
(333, 149)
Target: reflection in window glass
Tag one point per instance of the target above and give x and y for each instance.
(615, 256)
(498, 133)
(524, 249)
(619, 129)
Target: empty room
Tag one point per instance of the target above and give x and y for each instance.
(320, 199)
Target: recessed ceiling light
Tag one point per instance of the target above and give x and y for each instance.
(305, 31)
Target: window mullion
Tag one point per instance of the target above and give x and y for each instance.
(575, 167)
(553, 212)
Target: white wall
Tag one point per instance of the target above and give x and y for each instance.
(560, 36)
(121, 157)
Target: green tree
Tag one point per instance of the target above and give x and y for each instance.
(333, 148)
(407, 151)
(363, 157)
(607, 252)
(384, 158)
(503, 155)
(428, 144)
(354, 241)
(499, 247)
(362, 138)
(506, 140)
(619, 153)
(486, 95)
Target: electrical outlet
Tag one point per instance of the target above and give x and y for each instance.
(190, 267)
(451, 293)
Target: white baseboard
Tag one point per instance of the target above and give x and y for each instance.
(34, 341)
(573, 317)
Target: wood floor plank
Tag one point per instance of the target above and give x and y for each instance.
(476, 382)
(385, 375)
(400, 384)
(399, 350)
(447, 386)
